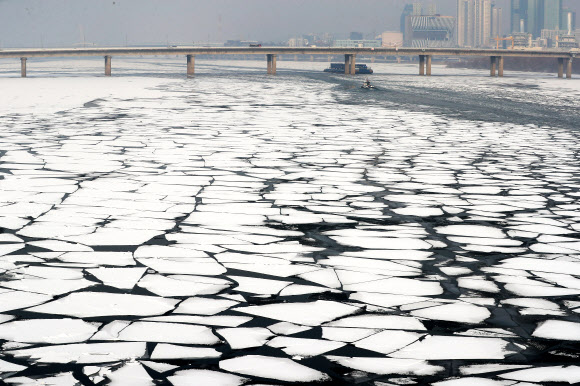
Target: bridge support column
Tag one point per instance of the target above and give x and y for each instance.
(190, 65)
(271, 64)
(353, 64)
(429, 65)
(350, 64)
(569, 69)
(560, 67)
(500, 60)
(492, 60)
(108, 65)
(23, 67)
(421, 65)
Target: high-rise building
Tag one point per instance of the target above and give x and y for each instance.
(431, 9)
(417, 9)
(532, 16)
(496, 22)
(552, 11)
(535, 17)
(461, 20)
(408, 11)
(474, 23)
(356, 36)
(568, 20)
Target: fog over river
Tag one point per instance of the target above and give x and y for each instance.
(244, 229)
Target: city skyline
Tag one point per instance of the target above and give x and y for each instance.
(31, 23)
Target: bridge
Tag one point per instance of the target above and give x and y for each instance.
(564, 58)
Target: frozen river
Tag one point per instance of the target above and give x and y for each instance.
(240, 229)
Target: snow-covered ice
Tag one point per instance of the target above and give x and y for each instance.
(235, 228)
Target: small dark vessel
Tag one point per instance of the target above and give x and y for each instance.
(367, 84)
(338, 68)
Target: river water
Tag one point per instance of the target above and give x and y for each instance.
(238, 228)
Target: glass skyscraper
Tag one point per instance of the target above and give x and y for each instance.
(552, 11)
(532, 16)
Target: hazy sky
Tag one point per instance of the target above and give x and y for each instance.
(53, 23)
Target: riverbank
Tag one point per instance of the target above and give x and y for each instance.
(515, 64)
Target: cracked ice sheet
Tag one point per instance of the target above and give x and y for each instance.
(199, 201)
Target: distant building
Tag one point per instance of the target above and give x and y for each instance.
(552, 12)
(431, 10)
(392, 39)
(567, 41)
(522, 39)
(356, 36)
(533, 16)
(357, 43)
(239, 43)
(568, 21)
(297, 42)
(417, 9)
(430, 31)
(474, 23)
(408, 11)
(496, 22)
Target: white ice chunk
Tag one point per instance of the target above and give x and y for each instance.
(204, 306)
(471, 231)
(14, 300)
(388, 365)
(124, 278)
(400, 286)
(281, 369)
(168, 333)
(205, 378)
(308, 314)
(285, 328)
(304, 347)
(542, 375)
(388, 341)
(470, 381)
(558, 330)
(347, 334)
(83, 353)
(245, 337)
(454, 347)
(175, 286)
(54, 331)
(164, 351)
(92, 304)
(389, 322)
(7, 367)
(131, 374)
(456, 312)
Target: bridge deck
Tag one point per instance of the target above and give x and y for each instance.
(134, 51)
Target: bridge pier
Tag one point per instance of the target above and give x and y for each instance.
(190, 65)
(492, 60)
(560, 67)
(271, 58)
(23, 67)
(107, 65)
(350, 64)
(500, 62)
(429, 57)
(569, 69)
(421, 65)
